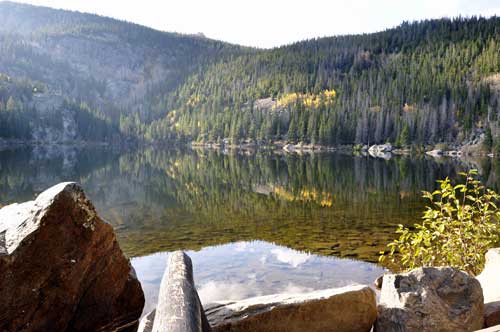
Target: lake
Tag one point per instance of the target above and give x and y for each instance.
(253, 223)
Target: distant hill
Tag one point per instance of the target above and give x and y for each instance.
(114, 66)
(424, 82)
(419, 83)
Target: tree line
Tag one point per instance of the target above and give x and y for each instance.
(422, 82)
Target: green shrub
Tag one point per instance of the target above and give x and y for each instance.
(458, 227)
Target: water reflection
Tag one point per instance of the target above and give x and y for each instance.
(303, 210)
(163, 200)
(245, 269)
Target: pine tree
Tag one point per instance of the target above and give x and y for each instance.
(488, 140)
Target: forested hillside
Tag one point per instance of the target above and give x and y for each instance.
(419, 83)
(117, 68)
(425, 82)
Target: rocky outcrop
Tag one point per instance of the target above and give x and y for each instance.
(345, 309)
(435, 153)
(381, 151)
(61, 268)
(489, 279)
(430, 299)
(179, 308)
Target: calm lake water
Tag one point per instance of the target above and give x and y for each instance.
(253, 223)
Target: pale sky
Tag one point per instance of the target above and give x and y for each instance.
(268, 23)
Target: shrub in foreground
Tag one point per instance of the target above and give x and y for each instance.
(459, 226)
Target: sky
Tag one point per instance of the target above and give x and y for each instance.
(269, 23)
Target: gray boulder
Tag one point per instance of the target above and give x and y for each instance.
(430, 299)
(348, 309)
(490, 282)
(489, 277)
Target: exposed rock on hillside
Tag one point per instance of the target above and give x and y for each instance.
(430, 299)
(381, 151)
(61, 268)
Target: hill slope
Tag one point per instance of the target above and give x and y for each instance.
(418, 83)
(425, 82)
(117, 67)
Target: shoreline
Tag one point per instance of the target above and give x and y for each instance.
(384, 151)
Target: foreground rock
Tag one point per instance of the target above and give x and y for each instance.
(491, 329)
(179, 308)
(61, 268)
(430, 299)
(489, 277)
(344, 310)
(490, 282)
(492, 313)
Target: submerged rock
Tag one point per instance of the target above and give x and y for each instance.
(344, 309)
(430, 299)
(61, 268)
(490, 282)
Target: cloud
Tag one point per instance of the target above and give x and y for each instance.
(292, 257)
(241, 246)
(214, 291)
(296, 289)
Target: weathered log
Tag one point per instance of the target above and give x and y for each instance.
(179, 308)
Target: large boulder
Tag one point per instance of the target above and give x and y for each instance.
(490, 329)
(61, 268)
(348, 309)
(492, 313)
(179, 308)
(489, 277)
(430, 299)
(490, 282)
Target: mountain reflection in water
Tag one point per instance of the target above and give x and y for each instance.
(222, 207)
